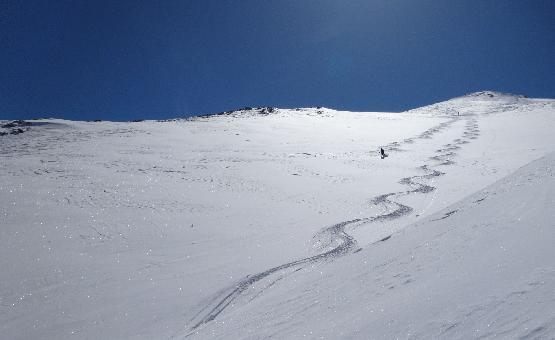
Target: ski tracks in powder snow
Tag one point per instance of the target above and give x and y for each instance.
(335, 237)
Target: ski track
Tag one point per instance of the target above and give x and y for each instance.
(336, 234)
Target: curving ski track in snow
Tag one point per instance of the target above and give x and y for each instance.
(336, 235)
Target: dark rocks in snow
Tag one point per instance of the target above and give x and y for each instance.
(15, 127)
(266, 110)
(16, 123)
(16, 131)
(493, 94)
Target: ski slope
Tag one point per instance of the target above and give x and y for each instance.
(282, 223)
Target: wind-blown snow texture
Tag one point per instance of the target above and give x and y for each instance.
(283, 223)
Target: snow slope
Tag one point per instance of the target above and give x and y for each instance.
(284, 223)
(481, 268)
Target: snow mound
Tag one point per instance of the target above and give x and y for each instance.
(254, 112)
(484, 102)
(244, 112)
(492, 95)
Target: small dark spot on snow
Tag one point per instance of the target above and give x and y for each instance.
(447, 214)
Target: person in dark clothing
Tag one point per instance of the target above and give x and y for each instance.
(382, 153)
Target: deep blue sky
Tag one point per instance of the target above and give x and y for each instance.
(123, 60)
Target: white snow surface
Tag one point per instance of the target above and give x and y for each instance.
(283, 224)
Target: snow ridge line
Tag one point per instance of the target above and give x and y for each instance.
(342, 242)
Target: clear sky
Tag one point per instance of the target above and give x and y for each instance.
(123, 60)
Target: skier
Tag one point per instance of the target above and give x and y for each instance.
(382, 153)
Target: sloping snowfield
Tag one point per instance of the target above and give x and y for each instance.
(274, 223)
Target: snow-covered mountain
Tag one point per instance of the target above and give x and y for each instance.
(283, 223)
